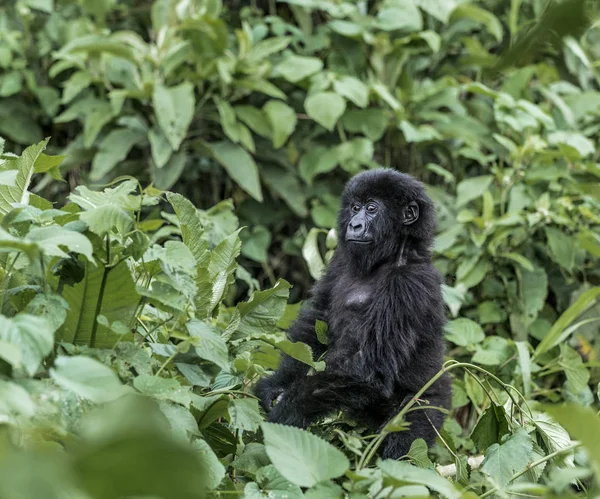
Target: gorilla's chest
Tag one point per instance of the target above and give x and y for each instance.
(353, 297)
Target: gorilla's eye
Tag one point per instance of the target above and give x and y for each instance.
(355, 207)
(371, 208)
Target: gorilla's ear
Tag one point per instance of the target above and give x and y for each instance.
(411, 213)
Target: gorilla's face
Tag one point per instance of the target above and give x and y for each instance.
(363, 225)
(384, 214)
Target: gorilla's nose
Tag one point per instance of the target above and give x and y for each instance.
(355, 230)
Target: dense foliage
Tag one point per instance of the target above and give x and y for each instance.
(133, 323)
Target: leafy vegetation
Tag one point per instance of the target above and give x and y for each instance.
(134, 324)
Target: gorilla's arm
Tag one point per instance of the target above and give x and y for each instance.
(270, 388)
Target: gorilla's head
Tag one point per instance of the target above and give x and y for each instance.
(385, 215)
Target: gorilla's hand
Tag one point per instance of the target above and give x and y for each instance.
(269, 392)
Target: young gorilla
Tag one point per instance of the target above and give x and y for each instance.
(381, 299)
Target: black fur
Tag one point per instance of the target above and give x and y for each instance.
(382, 302)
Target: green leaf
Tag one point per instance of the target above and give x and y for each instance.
(208, 344)
(295, 68)
(190, 224)
(479, 15)
(352, 89)
(490, 428)
(88, 378)
(261, 314)
(404, 473)
(311, 254)
(239, 166)
(525, 365)
(11, 195)
(50, 239)
(584, 425)
(418, 454)
(256, 243)
(321, 329)
(15, 401)
(162, 389)
(215, 471)
(265, 48)
(325, 108)
(282, 119)
(114, 148)
(160, 147)
(502, 461)
(494, 351)
(301, 457)
(174, 108)
(272, 485)
(245, 414)
(464, 332)
(103, 291)
(403, 16)
(562, 247)
(472, 188)
(554, 436)
(585, 301)
(32, 337)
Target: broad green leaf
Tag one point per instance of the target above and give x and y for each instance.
(162, 389)
(114, 148)
(352, 89)
(15, 400)
(311, 254)
(534, 289)
(586, 300)
(297, 350)
(578, 142)
(479, 15)
(554, 436)
(464, 332)
(261, 314)
(577, 374)
(493, 351)
(404, 473)
(272, 485)
(287, 187)
(490, 428)
(103, 291)
(255, 119)
(215, 471)
(160, 147)
(403, 16)
(584, 425)
(208, 344)
(174, 108)
(11, 195)
(50, 239)
(190, 224)
(265, 48)
(325, 108)
(301, 457)
(240, 167)
(245, 414)
(88, 378)
(32, 337)
(418, 454)
(295, 68)
(256, 243)
(502, 461)
(472, 188)
(282, 119)
(78, 81)
(562, 247)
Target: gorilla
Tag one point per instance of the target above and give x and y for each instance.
(381, 299)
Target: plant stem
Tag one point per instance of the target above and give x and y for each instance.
(101, 294)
